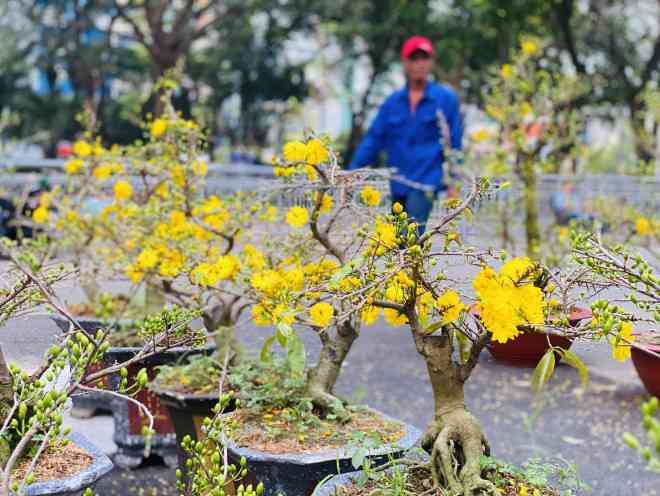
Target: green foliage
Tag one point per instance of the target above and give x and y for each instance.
(651, 424)
(206, 471)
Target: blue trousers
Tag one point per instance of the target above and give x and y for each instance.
(417, 204)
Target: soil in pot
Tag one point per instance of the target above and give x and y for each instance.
(646, 364)
(288, 445)
(414, 477)
(66, 467)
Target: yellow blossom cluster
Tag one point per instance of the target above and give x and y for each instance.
(509, 299)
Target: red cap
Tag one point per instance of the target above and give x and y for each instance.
(416, 43)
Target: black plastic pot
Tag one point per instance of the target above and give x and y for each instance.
(298, 474)
(76, 484)
(127, 417)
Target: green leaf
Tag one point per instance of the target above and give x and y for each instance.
(283, 332)
(576, 362)
(264, 356)
(543, 370)
(358, 458)
(296, 355)
(434, 327)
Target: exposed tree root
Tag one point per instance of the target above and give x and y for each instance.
(456, 443)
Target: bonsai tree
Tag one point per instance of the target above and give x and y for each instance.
(537, 130)
(141, 213)
(289, 290)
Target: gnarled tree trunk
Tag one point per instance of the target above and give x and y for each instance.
(321, 379)
(454, 439)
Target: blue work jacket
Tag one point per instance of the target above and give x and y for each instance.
(413, 141)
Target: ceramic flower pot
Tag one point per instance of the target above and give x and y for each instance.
(75, 485)
(529, 347)
(299, 473)
(647, 366)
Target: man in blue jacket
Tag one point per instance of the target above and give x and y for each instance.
(409, 127)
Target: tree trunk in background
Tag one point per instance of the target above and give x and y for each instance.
(530, 194)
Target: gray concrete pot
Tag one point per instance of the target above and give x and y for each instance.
(76, 484)
(329, 488)
(298, 474)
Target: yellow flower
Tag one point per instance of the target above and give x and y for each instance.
(369, 314)
(450, 306)
(370, 196)
(102, 172)
(200, 168)
(260, 315)
(643, 226)
(326, 203)
(162, 190)
(147, 259)
(294, 151)
(525, 109)
(504, 304)
(123, 190)
(158, 128)
(312, 175)
(73, 166)
(321, 314)
(506, 71)
(297, 217)
(134, 274)
(41, 215)
(621, 344)
(317, 153)
(393, 317)
(529, 47)
(179, 175)
(82, 149)
(523, 491)
(284, 171)
(480, 135)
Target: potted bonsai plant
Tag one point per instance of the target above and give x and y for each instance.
(281, 283)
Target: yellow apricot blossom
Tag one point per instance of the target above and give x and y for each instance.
(326, 203)
(370, 196)
(529, 47)
(450, 306)
(41, 215)
(480, 135)
(102, 172)
(158, 128)
(643, 226)
(294, 151)
(621, 344)
(393, 317)
(317, 153)
(297, 217)
(506, 71)
(123, 190)
(147, 259)
(369, 314)
(73, 166)
(200, 168)
(321, 314)
(82, 149)
(260, 315)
